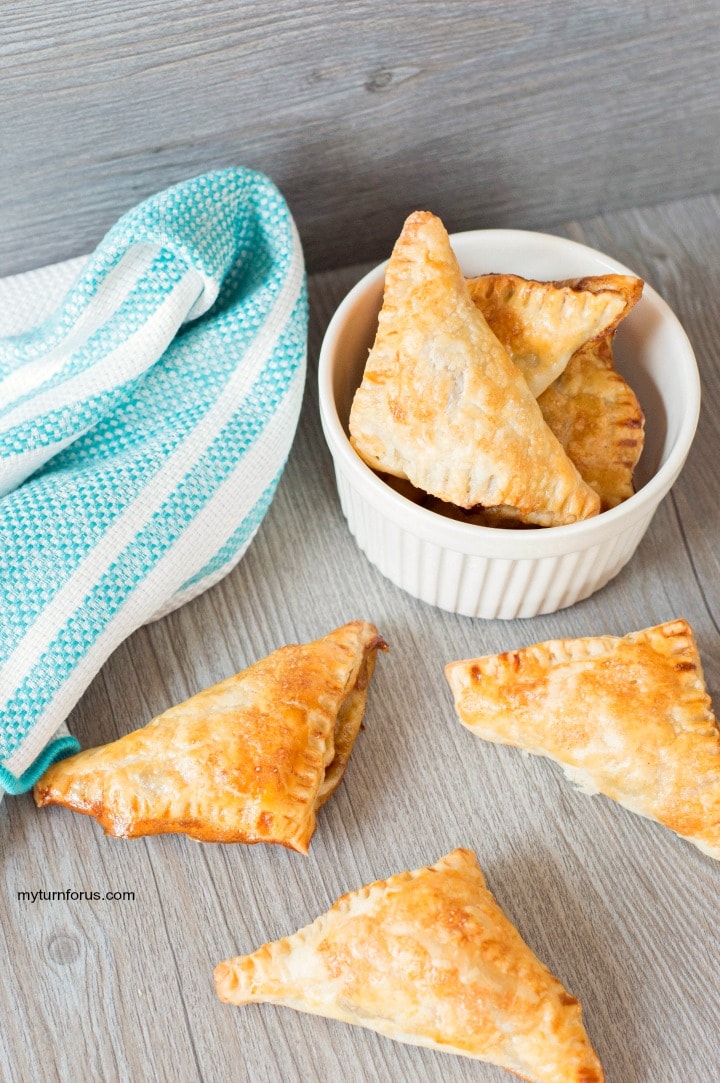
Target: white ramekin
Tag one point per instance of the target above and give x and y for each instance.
(494, 573)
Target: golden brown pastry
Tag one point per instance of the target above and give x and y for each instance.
(248, 760)
(542, 324)
(428, 958)
(597, 418)
(626, 716)
(442, 404)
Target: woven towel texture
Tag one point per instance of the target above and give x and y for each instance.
(143, 429)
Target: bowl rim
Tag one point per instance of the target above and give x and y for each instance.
(471, 538)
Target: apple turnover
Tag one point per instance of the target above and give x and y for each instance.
(542, 324)
(249, 760)
(597, 418)
(628, 717)
(428, 958)
(442, 404)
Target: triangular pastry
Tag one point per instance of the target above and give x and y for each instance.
(597, 418)
(428, 958)
(249, 760)
(542, 324)
(626, 716)
(442, 404)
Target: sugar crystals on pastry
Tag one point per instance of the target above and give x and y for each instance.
(428, 958)
(442, 404)
(542, 324)
(626, 716)
(249, 760)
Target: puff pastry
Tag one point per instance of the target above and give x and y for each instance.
(597, 418)
(442, 404)
(542, 324)
(428, 958)
(626, 716)
(248, 760)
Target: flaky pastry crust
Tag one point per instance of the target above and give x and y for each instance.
(626, 716)
(442, 404)
(597, 418)
(249, 760)
(542, 324)
(428, 958)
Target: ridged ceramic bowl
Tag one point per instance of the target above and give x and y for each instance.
(484, 571)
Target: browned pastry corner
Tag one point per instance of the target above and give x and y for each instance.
(442, 404)
(249, 760)
(542, 324)
(428, 958)
(626, 716)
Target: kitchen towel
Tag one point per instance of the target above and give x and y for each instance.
(144, 426)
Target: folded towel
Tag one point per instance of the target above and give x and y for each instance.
(143, 430)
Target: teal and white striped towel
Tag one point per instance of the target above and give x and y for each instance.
(143, 430)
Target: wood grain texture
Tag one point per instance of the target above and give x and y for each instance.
(619, 908)
(504, 114)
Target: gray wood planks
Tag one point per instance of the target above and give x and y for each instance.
(618, 907)
(489, 113)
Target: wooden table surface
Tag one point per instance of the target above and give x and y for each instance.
(624, 912)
